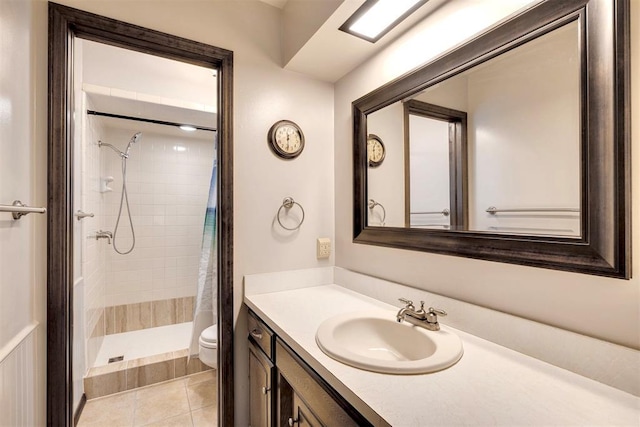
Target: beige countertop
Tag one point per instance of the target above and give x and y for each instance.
(490, 385)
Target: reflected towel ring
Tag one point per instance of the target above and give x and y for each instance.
(373, 204)
(288, 203)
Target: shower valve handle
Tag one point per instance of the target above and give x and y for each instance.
(80, 215)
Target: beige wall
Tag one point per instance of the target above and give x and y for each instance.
(601, 307)
(386, 182)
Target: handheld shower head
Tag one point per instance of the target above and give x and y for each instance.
(134, 139)
(125, 155)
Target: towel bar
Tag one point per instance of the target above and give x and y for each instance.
(492, 210)
(19, 210)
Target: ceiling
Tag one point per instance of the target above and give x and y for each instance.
(149, 88)
(328, 53)
(113, 104)
(156, 110)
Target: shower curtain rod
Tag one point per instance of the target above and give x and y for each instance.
(142, 119)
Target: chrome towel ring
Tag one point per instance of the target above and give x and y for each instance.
(373, 204)
(287, 204)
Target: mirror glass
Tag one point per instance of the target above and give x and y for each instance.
(428, 172)
(495, 148)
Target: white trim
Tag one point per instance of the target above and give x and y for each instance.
(17, 340)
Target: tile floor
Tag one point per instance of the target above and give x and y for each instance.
(186, 402)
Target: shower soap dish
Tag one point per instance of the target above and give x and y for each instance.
(104, 184)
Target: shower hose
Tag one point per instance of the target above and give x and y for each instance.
(124, 198)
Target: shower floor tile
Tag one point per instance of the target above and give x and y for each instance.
(188, 401)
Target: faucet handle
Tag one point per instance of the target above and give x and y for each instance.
(437, 311)
(409, 303)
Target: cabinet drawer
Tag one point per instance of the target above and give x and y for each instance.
(260, 334)
(314, 392)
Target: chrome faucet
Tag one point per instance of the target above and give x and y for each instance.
(104, 235)
(425, 319)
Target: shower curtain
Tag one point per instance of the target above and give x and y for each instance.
(205, 307)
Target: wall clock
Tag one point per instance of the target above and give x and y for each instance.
(375, 150)
(286, 139)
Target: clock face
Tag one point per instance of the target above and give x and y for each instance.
(375, 150)
(286, 139)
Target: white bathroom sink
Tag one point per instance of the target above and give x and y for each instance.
(375, 341)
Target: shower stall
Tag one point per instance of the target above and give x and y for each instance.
(140, 198)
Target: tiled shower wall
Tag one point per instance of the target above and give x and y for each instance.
(168, 176)
(93, 251)
(148, 314)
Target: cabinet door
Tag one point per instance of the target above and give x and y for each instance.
(302, 415)
(306, 383)
(260, 370)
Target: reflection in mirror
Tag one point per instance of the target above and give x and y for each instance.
(521, 171)
(428, 173)
(386, 179)
(435, 179)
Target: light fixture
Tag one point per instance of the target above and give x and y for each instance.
(179, 148)
(188, 128)
(375, 18)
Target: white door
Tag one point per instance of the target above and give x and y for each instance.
(21, 379)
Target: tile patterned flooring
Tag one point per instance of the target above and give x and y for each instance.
(185, 402)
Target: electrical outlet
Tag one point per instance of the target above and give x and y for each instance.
(323, 247)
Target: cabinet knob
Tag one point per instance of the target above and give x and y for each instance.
(292, 421)
(265, 390)
(256, 333)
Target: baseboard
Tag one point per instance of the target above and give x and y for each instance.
(76, 416)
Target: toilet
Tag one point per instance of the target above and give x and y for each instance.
(208, 344)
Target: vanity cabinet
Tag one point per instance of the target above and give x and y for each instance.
(285, 391)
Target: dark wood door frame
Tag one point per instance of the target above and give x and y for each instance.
(458, 181)
(65, 23)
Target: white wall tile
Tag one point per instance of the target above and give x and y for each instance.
(93, 252)
(167, 197)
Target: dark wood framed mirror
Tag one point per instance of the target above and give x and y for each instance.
(598, 241)
(65, 24)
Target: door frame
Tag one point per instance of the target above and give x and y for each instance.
(64, 24)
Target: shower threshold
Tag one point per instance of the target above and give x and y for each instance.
(150, 356)
(144, 342)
